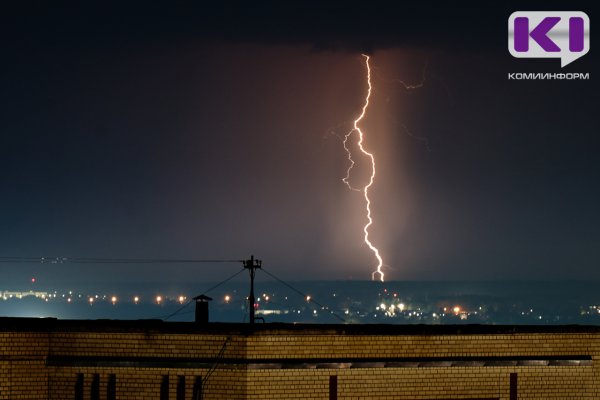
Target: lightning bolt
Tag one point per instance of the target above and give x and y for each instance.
(349, 153)
(378, 273)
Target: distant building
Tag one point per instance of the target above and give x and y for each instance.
(58, 359)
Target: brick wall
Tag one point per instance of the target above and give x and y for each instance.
(44, 360)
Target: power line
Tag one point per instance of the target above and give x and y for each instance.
(255, 264)
(223, 282)
(206, 291)
(100, 260)
(303, 295)
(147, 260)
(220, 356)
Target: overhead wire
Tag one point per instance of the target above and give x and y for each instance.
(101, 260)
(298, 291)
(204, 293)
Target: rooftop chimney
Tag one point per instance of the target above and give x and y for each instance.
(202, 309)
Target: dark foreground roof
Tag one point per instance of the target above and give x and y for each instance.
(159, 326)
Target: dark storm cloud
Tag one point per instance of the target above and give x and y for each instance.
(352, 26)
(340, 26)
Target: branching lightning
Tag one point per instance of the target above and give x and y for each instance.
(378, 273)
(345, 142)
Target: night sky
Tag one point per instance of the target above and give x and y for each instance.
(213, 132)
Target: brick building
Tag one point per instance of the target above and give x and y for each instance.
(59, 359)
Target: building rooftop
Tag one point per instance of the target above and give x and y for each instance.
(159, 326)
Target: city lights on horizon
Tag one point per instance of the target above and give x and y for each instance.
(383, 306)
(391, 307)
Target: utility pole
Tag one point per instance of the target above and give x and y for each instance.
(252, 265)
